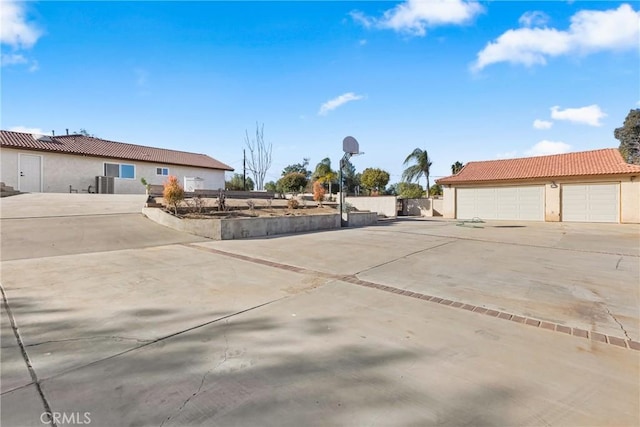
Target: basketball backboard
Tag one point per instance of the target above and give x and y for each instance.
(350, 145)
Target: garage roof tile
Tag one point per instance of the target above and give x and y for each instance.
(91, 146)
(607, 161)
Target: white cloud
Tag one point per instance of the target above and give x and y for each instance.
(415, 16)
(34, 66)
(362, 42)
(9, 59)
(542, 124)
(15, 30)
(528, 46)
(13, 59)
(545, 148)
(542, 148)
(615, 29)
(534, 19)
(590, 31)
(362, 19)
(18, 34)
(507, 155)
(25, 129)
(589, 115)
(334, 103)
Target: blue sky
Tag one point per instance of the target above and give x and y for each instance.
(464, 80)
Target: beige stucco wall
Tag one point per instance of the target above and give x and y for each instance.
(552, 202)
(383, 205)
(62, 170)
(448, 202)
(9, 167)
(630, 201)
(629, 195)
(419, 207)
(437, 206)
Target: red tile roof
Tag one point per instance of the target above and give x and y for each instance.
(585, 163)
(90, 146)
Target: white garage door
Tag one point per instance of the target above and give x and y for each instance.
(510, 203)
(591, 202)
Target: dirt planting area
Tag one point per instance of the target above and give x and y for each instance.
(210, 207)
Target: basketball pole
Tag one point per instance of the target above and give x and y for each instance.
(350, 147)
(343, 161)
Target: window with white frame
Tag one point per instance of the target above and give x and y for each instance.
(162, 171)
(120, 170)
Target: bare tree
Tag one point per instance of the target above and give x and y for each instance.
(259, 160)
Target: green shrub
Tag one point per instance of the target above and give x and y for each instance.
(292, 182)
(374, 180)
(410, 190)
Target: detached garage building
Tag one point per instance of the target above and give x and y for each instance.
(589, 186)
(61, 164)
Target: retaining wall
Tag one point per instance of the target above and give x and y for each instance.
(204, 228)
(362, 219)
(240, 228)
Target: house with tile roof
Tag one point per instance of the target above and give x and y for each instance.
(60, 164)
(588, 186)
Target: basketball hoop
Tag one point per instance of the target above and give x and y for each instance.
(350, 147)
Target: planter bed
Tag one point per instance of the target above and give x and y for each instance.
(244, 227)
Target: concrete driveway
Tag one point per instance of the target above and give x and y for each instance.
(415, 322)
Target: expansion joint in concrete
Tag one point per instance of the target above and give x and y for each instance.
(204, 377)
(183, 331)
(520, 244)
(352, 278)
(25, 355)
(98, 337)
(406, 256)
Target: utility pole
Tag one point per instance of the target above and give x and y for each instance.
(244, 170)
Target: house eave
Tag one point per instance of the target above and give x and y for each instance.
(539, 180)
(97, 156)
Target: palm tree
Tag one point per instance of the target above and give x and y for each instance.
(456, 167)
(420, 168)
(324, 173)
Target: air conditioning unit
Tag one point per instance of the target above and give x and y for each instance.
(105, 184)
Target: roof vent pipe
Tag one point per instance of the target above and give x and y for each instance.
(67, 131)
(53, 133)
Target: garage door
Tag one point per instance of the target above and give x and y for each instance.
(509, 203)
(591, 202)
